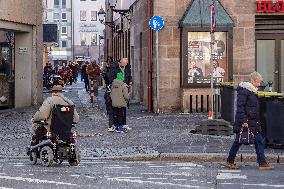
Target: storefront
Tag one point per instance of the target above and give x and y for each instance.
(7, 69)
(248, 37)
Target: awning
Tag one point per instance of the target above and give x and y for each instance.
(199, 15)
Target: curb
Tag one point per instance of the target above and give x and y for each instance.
(181, 157)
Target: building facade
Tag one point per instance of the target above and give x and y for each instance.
(20, 53)
(88, 29)
(60, 12)
(249, 36)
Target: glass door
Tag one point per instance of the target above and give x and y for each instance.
(266, 60)
(270, 59)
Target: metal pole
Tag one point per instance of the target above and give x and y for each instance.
(157, 72)
(211, 67)
(99, 50)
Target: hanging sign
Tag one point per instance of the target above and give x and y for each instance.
(270, 6)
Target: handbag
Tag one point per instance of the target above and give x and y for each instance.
(245, 137)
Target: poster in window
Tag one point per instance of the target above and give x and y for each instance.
(199, 57)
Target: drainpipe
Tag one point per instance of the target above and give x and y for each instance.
(150, 14)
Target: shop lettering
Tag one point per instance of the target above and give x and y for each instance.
(270, 6)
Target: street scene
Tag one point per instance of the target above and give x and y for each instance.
(141, 94)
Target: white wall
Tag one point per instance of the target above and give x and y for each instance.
(92, 26)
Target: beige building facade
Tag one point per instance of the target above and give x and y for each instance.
(249, 36)
(20, 53)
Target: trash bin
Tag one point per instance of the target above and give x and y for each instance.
(271, 118)
(228, 101)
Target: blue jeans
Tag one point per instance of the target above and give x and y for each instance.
(259, 148)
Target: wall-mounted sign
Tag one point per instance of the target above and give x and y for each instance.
(88, 27)
(23, 50)
(270, 6)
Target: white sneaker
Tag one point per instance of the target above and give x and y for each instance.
(127, 127)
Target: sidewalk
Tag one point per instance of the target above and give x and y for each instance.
(167, 137)
(156, 137)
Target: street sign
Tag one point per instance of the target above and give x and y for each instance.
(156, 23)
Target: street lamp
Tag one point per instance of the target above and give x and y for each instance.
(102, 15)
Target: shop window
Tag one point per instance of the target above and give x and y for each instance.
(198, 64)
(94, 39)
(93, 15)
(83, 15)
(83, 39)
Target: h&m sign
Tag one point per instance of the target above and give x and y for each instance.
(270, 6)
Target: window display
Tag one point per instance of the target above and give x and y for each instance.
(199, 57)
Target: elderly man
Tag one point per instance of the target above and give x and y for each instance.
(45, 110)
(247, 116)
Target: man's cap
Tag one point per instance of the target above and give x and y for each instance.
(120, 76)
(57, 88)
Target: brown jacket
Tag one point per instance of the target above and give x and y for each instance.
(44, 112)
(94, 71)
(119, 94)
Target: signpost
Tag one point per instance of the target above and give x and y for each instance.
(157, 23)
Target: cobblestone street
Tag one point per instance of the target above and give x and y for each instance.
(151, 134)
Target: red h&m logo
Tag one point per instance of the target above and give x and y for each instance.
(270, 6)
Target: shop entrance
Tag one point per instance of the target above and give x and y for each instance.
(270, 49)
(270, 59)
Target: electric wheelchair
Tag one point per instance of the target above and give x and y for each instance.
(60, 143)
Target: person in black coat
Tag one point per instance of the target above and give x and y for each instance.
(123, 67)
(247, 116)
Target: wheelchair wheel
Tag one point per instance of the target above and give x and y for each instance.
(46, 156)
(75, 161)
(33, 157)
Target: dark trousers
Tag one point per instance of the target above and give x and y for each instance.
(110, 115)
(259, 148)
(119, 116)
(87, 84)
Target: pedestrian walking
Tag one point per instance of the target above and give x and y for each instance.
(247, 117)
(85, 77)
(119, 96)
(93, 70)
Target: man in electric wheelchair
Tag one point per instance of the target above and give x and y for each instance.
(53, 135)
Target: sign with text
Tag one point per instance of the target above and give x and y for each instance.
(270, 6)
(23, 50)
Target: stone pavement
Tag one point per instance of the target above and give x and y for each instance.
(165, 136)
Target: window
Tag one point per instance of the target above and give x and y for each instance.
(93, 15)
(56, 3)
(63, 3)
(83, 15)
(64, 30)
(56, 17)
(83, 39)
(64, 17)
(198, 65)
(63, 44)
(94, 39)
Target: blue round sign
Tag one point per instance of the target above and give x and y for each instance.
(156, 23)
